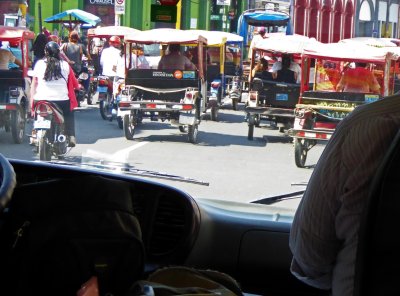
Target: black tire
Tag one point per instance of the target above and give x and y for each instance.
(89, 97)
(182, 128)
(252, 122)
(235, 104)
(105, 108)
(192, 133)
(129, 126)
(300, 151)
(18, 125)
(120, 122)
(44, 148)
(214, 113)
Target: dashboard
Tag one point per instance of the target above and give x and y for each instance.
(247, 241)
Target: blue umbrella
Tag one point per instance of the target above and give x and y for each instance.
(74, 16)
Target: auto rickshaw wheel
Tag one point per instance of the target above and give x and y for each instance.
(44, 148)
(251, 123)
(192, 133)
(120, 122)
(18, 125)
(105, 108)
(301, 147)
(129, 125)
(235, 104)
(214, 113)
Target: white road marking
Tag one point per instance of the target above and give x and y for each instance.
(119, 156)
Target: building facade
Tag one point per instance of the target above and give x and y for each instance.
(326, 20)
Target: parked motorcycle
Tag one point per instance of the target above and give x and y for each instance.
(48, 134)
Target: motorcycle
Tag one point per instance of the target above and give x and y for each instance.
(83, 93)
(48, 134)
(105, 90)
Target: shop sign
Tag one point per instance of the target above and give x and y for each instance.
(163, 13)
(224, 2)
(100, 2)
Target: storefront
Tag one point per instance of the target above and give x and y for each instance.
(103, 9)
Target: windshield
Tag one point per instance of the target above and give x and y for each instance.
(202, 127)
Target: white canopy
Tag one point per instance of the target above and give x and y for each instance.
(109, 31)
(216, 37)
(166, 36)
(377, 42)
(350, 52)
(286, 44)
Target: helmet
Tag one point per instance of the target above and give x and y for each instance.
(52, 49)
(115, 41)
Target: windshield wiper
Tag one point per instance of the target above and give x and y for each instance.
(277, 198)
(125, 168)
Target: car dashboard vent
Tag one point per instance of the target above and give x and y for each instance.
(169, 227)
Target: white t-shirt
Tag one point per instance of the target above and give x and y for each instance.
(5, 58)
(53, 90)
(109, 59)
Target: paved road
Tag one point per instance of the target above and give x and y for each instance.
(236, 168)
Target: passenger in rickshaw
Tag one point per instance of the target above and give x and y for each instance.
(6, 57)
(358, 79)
(175, 60)
(285, 74)
(287, 59)
(260, 68)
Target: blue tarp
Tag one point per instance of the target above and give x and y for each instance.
(260, 18)
(74, 15)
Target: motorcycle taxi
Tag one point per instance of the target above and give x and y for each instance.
(15, 85)
(224, 58)
(271, 99)
(322, 105)
(177, 96)
(106, 88)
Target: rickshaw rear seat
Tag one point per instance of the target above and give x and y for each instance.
(11, 78)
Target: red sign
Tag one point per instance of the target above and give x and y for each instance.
(169, 2)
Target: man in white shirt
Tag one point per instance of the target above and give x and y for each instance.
(110, 56)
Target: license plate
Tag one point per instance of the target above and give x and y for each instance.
(102, 89)
(188, 119)
(161, 106)
(44, 124)
(281, 97)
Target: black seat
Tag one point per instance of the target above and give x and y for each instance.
(286, 75)
(377, 263)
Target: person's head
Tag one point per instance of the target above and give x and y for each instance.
(286, 60)
(264, 63)
(53, 66)
(174, 48)
(115, 41)
(262, 31)
(52, 49)
(73, 36)
(53, 38)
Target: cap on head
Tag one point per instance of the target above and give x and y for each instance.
(261, 30)
(115, 41)
(14, 43)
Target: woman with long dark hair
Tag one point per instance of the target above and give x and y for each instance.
(50, 82)
(38, 48)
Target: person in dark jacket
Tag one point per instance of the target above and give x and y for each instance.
(38, 48)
